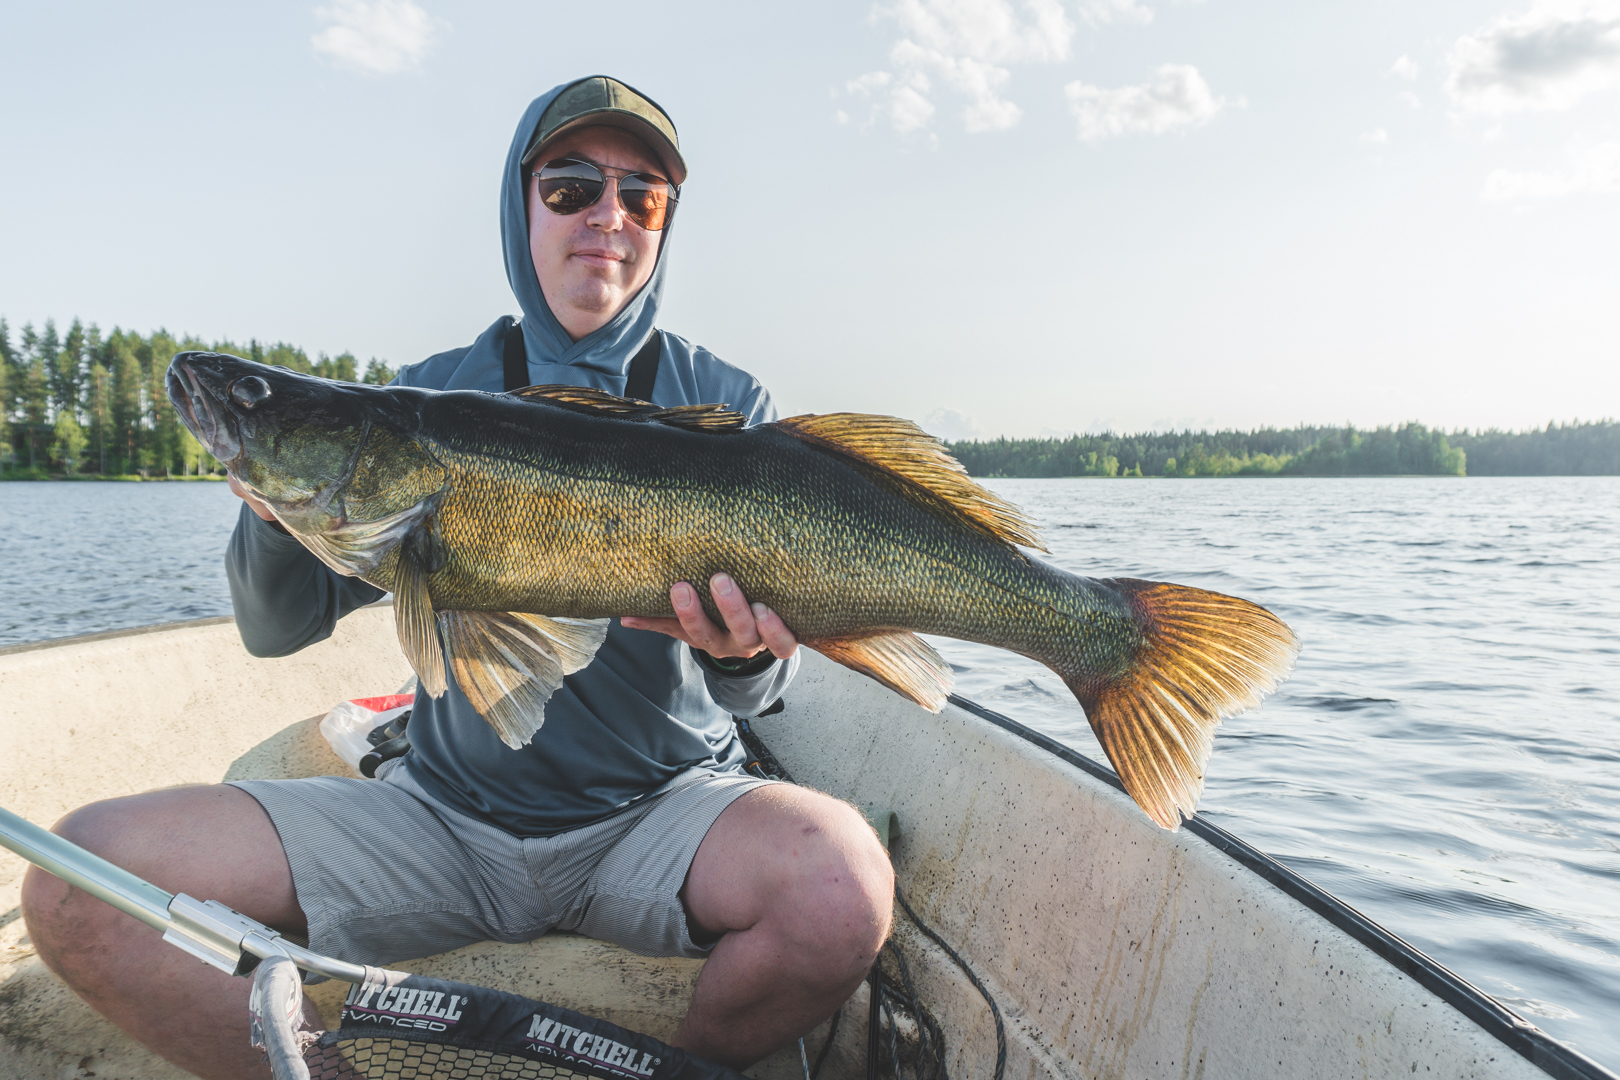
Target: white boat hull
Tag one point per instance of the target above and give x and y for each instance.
(1113, 948)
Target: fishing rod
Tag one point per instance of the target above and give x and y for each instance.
(207, 929)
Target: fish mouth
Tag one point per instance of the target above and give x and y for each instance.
(204, 411)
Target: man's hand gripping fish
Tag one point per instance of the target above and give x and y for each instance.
(512, 527)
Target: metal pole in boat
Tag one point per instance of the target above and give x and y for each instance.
(206, 929)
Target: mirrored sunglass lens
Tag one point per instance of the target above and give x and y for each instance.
(567, 187)
(647, 200)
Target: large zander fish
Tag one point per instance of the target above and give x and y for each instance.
(512, 527)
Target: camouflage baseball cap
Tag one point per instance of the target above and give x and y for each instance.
(610, 103)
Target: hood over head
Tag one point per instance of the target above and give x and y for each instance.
(607, 350)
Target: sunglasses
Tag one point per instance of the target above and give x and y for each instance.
(569, 185)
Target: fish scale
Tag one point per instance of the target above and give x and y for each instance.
(511, 528)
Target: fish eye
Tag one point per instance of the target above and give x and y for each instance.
(249, 391)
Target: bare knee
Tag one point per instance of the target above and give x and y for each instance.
(62, 920)
(842, 898)
(213, 842)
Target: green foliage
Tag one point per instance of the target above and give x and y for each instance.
(378, 373)
(70, 440)
(84, 404)
(1574, 449)
(1409, 449)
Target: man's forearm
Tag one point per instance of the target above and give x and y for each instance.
(284, 597)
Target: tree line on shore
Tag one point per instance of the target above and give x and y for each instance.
(1411, 449)
(88, 403)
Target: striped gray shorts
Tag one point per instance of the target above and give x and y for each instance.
(386, 873)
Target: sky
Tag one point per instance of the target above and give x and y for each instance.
(995, 217)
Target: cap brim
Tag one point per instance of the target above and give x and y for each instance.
(655, 140)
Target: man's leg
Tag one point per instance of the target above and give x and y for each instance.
(212, 843)
(802, 891)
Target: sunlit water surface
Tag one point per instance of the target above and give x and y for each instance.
(1446, 756)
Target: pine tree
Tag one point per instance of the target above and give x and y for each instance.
(165, 425)
(67, 370)
(126, 400)
(34, 393)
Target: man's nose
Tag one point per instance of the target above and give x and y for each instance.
(606, 213)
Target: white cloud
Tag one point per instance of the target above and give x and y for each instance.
(990, 30)
(1375, 137)
(966, 49)
(1410, 100)
(1545, 59)
(1103, 12)
(1176, 97)
(1404, 68)
(381, 37)
(952, 426)
(1596, 172)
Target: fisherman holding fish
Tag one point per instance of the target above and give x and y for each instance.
(631, 819)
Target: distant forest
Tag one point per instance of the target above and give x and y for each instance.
(1577, 449)
(86, 403)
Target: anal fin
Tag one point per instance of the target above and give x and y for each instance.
(900, 660)
(509, 663)
(413, 618)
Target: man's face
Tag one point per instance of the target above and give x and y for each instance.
(592, 263)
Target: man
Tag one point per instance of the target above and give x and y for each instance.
(628, 817)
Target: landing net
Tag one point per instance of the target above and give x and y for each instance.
(408, 1027)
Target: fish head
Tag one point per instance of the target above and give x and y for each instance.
(329, 458)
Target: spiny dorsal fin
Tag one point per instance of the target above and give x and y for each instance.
(909, 454)
(900, 660)
(585, 399)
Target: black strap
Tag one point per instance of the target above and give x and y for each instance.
(514, 357)
(643, 371)
(638, 383)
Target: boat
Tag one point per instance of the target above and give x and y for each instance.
(1053, 929)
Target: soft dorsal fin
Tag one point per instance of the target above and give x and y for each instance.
(919, 461)
(585, 399)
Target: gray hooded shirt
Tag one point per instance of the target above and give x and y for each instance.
(646, 709)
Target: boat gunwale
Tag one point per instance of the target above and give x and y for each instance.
(1516, 1033)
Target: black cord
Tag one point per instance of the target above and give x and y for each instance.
(826, 1047)
(995, 1011)
(874, 989)
(928, 1029)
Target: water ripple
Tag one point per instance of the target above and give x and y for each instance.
(1445, 756)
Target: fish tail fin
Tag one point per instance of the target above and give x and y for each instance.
(1198, 658)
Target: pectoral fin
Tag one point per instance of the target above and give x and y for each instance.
(902, 661)
(509, 663)
(413, 616)
(357, 548)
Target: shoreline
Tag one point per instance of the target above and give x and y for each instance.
(114, 478)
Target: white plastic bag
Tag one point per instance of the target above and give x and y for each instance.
(347, 726)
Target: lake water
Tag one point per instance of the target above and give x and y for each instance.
(1446, 756)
